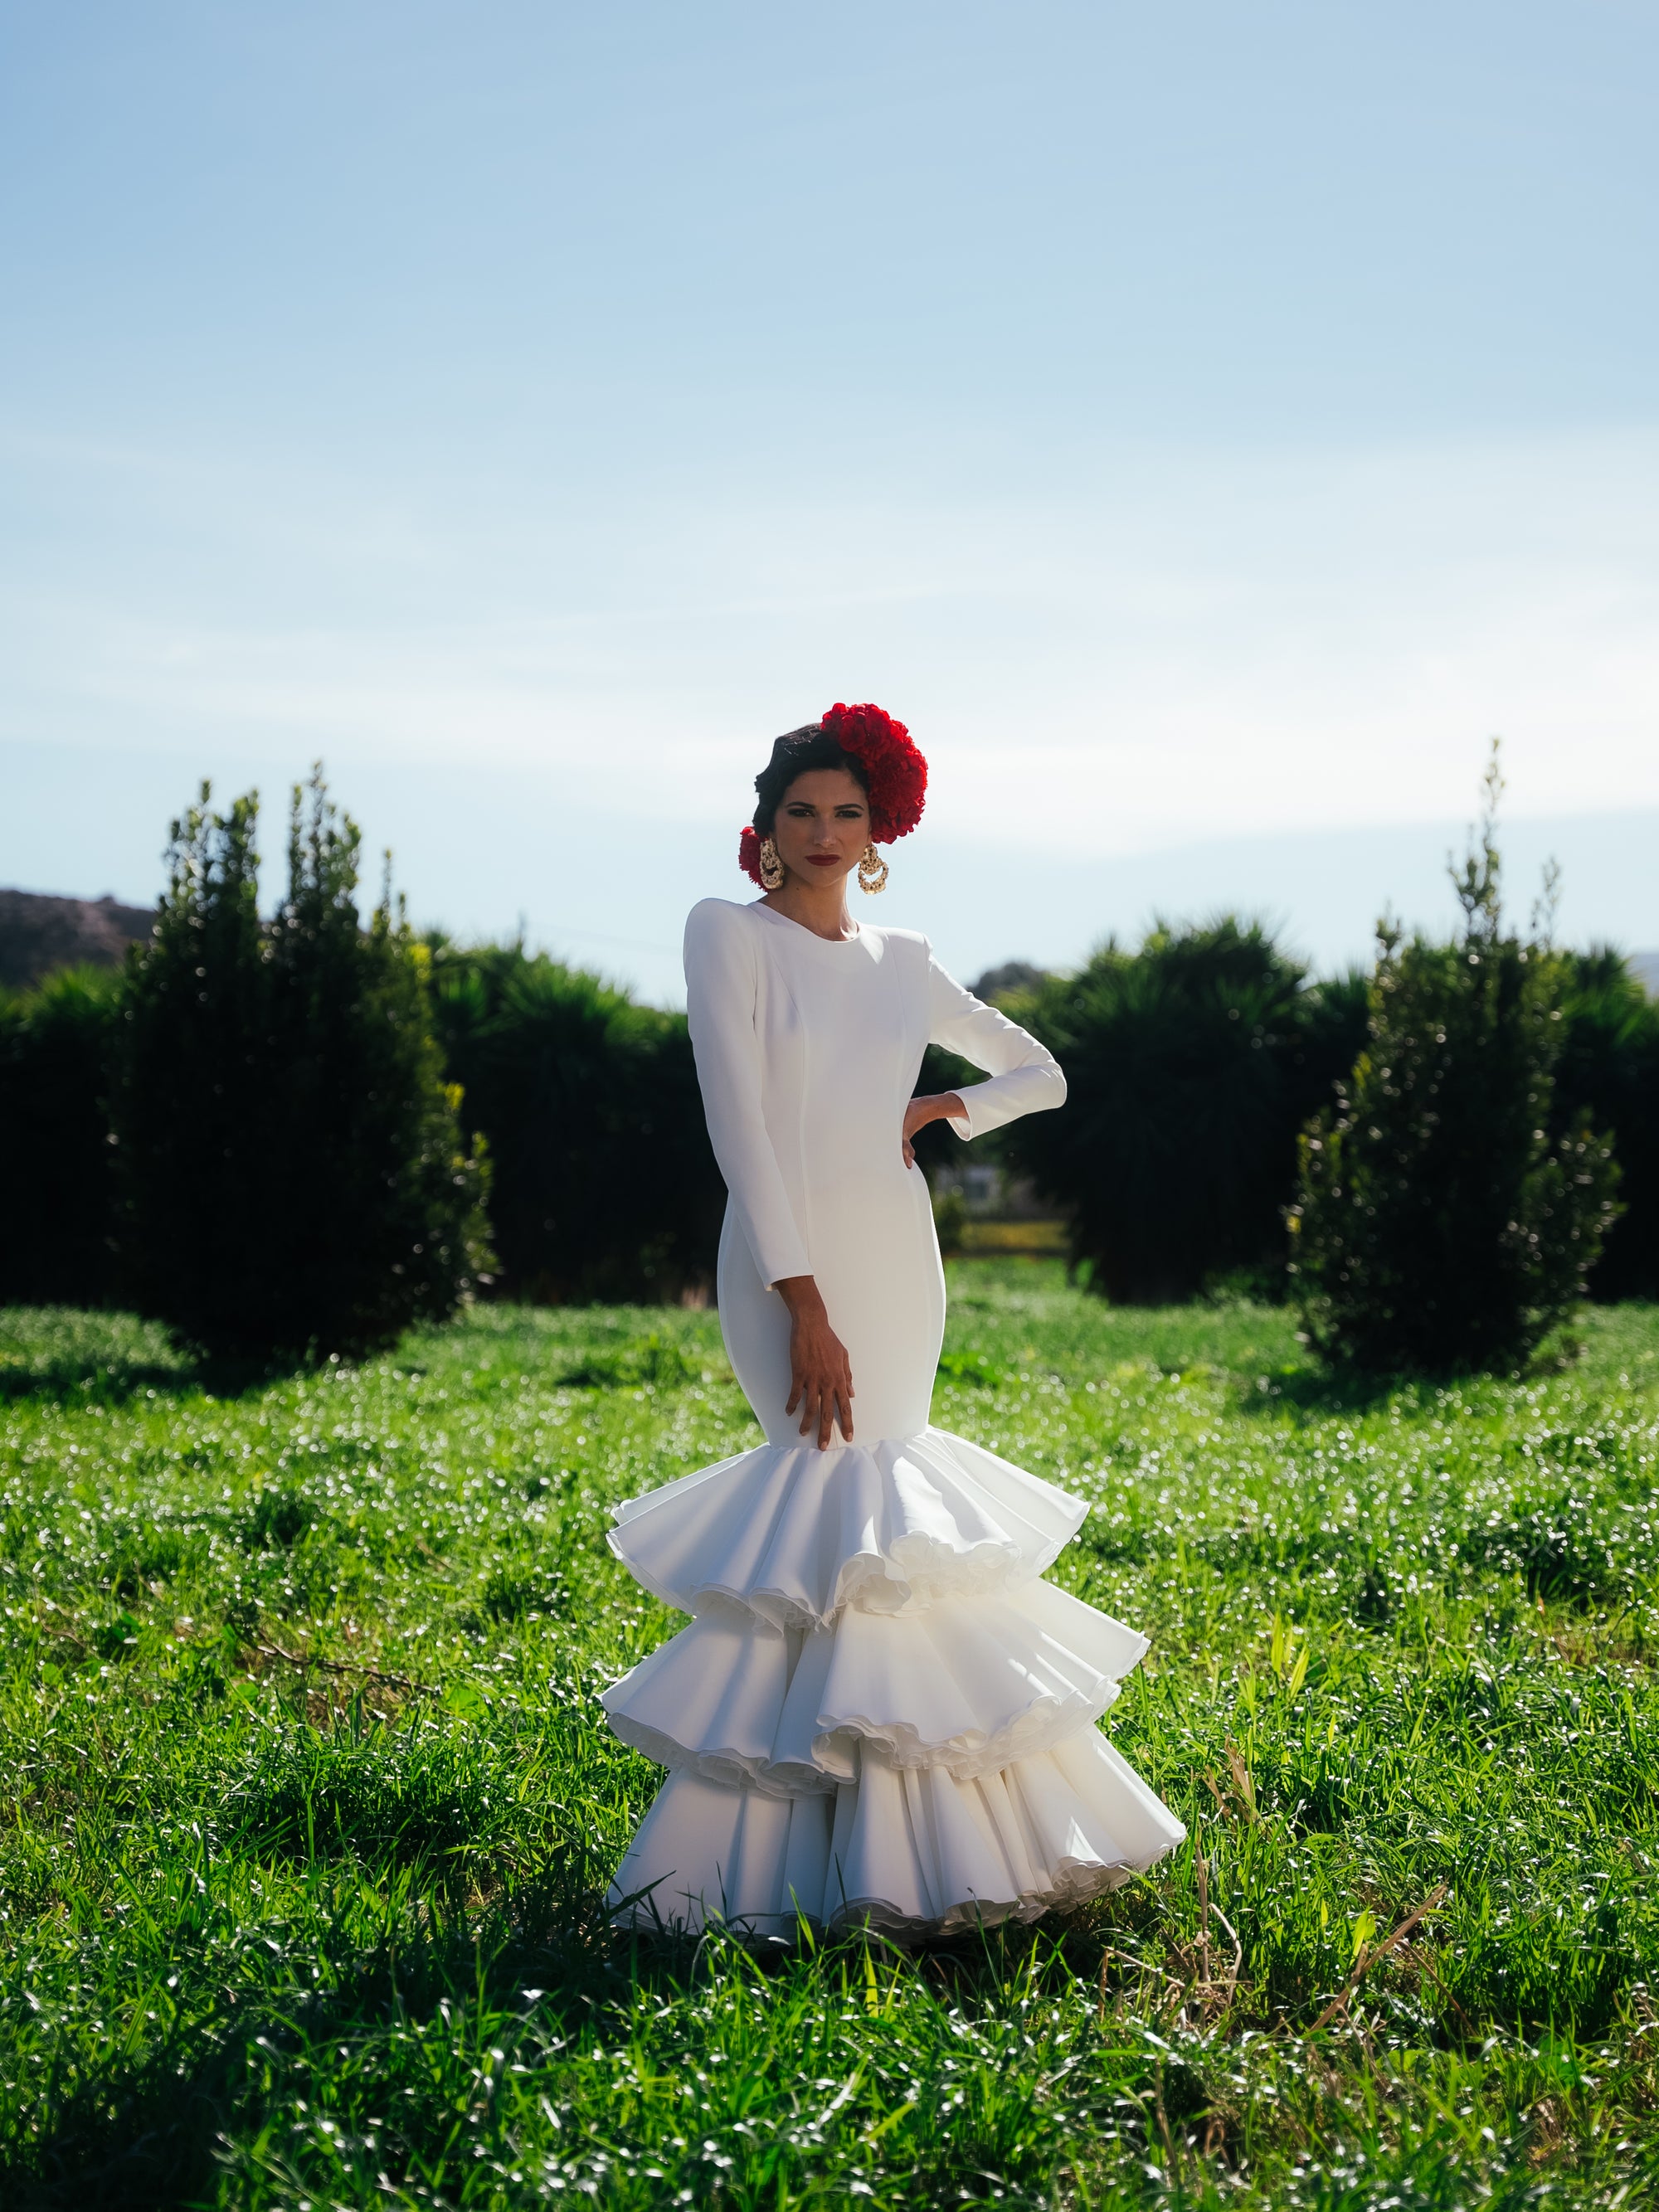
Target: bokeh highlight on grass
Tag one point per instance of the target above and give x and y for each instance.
(309, 1803)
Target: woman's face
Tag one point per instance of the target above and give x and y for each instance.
(822, 826)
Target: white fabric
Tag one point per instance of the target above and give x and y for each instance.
(726, 986)
(913, 1851)
(879, 1710)
(969, 1685)
(793, 1534)
(1027, 1077)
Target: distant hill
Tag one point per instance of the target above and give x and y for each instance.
(1011, 976)
(1646, 965)
(39, 933)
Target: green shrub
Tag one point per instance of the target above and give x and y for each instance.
(57, 1190)
(603, 1183)
(951, 1220)
(1442, 1222)
(291, 1168)
(1190, 1068)
(1609, 1068)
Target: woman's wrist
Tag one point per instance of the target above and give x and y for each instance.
(800, 1294)
(944, 1106)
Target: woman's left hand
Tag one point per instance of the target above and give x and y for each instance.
(941, 1106)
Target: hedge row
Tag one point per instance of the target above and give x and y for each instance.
(1191, 1065)
(604, 1185)
(583, 1105)
(1194, 1063)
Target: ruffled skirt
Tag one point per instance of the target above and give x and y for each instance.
(880, 1711)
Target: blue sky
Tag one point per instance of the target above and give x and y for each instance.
(1204, 426)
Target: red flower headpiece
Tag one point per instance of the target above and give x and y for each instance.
(895, 769)
(894, 773)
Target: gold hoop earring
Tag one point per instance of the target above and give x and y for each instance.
(772, 869)
(872, 870)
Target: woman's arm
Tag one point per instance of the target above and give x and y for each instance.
(930, 1106)
(721, 983)
(1025, 1076)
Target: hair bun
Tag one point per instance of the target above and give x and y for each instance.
(896, 772)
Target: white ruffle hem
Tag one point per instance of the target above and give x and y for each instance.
(880, 1711)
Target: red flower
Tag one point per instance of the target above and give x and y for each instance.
(749, 845)
(896, 773)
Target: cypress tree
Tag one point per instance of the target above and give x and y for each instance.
(190, 1108)
(293, 1176)
(1442, 1222)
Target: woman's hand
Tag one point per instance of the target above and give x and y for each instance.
(940, 1106)
(820, 1373)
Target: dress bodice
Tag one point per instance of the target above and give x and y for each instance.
(807, 1049)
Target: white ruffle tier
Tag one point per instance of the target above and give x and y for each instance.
(793, 1534)
(968, 1685)
(879, 1710)
(911, 1851)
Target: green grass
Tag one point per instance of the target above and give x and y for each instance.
(308, 1802)
(988, 1240)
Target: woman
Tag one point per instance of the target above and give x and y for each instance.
(879, 1712)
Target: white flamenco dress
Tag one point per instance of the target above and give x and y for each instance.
(879, 1712)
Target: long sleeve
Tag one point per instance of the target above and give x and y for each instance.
(1025, 1076)
(721, 986)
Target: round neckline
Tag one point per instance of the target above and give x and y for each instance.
(759, 906)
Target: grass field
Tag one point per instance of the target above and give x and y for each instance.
(309, 1804)
(988, 1240)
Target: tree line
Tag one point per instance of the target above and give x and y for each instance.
(297, 1135)
(1435, 1161)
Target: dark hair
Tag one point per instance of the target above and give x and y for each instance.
(797, 753)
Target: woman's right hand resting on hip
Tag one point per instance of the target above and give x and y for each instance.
(820, 1373)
